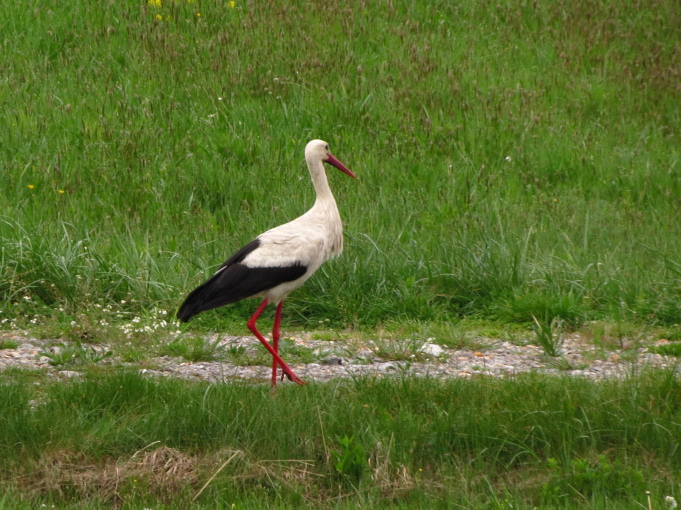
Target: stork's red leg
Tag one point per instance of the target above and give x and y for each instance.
(276, 333)
(277, 359)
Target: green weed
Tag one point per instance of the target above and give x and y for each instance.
(621, 335)
(549, 334)
(670, 349)
(672, 334)
(584, 479)
(351, 459)
(397, 349)
(193, 348)
(8, 344)
(74, 354)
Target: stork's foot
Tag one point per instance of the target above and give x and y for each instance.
(294, 378)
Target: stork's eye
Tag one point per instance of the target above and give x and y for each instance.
(327, 146)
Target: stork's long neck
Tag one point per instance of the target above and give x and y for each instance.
(321, 183)
(325, 208)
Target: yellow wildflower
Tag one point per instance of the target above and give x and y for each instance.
(231, 4)
(198, 14)
(155, 3)
(61, 191)
(31, 186)
(159, 17)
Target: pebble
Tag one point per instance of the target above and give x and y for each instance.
(70, 373)
(335, 359)
(432, 350)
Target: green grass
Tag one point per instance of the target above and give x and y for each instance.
(670, 349)
(513, 158)
(65, 354)
(380, 443)
(193, 349)
(8, 344)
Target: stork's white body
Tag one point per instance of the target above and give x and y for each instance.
(280, 260)
(309, 240)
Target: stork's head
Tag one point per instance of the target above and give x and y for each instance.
(319, 150)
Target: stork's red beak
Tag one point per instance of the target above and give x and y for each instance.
(331, 160)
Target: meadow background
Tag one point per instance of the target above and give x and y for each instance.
(515, 159)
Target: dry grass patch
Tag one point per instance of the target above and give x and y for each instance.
(164, 473)
(167, 475)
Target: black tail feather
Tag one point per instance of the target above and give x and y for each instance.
(194, 304)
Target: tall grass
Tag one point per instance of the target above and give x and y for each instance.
(503, 150)
(484, 443)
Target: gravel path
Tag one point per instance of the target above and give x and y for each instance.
(336, 359)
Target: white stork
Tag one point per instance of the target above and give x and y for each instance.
(279, 260)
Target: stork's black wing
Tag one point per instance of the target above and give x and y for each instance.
(235, 281)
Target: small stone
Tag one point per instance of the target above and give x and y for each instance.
(70, 373)
(332, 361)
(383, 367)
(432, 350)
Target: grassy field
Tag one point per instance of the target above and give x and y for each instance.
(516, 159)
(120, 440)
